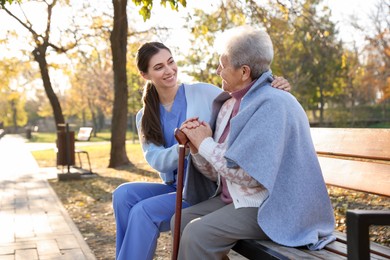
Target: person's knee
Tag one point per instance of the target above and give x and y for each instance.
(118, 196)
(122, 196)
(173, 223)
(194, 232)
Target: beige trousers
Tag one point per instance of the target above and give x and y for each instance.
(211, 228)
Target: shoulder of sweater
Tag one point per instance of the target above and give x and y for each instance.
(139, 116)
(274, 98)
(270, 93)
(201, 86)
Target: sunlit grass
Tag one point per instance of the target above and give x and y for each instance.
(45, 158)
(43, 137)
(99, 154)
(38, 137)
(381, 125)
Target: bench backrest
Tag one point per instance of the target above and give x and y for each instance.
(355, 158)
(84, 133)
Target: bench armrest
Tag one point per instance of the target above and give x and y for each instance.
(358, 222)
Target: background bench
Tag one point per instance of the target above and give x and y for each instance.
(351, 158)
(66, 151)
(84, 133)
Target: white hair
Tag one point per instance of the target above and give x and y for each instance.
(246, 45)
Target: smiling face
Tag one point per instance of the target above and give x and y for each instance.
(162, 70)
(232, 78)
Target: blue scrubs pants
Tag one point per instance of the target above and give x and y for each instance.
(142, 210)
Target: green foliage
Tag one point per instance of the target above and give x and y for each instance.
(307, 51)
(380, 125)
(135, 82)
(147, 5)
(355, 116)
(324, 75)
(174, 3)
(202, 60)
(3, 2)
(12, 94)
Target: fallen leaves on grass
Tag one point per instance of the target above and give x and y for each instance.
(343, 199)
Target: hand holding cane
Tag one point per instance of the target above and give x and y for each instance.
(183, 141)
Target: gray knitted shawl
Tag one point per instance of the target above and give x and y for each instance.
(270, 139)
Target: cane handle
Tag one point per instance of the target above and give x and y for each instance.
(181, 137)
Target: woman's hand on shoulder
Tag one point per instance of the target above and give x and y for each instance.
(281, 83)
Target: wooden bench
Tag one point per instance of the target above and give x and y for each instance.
(356, 159)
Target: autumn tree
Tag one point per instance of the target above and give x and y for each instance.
(42, 43)
(38, 107)
(307, 51)
(135, 83)
(377, 50)
(91, 94)
(118, 40)
(14, 75)
(202, 60)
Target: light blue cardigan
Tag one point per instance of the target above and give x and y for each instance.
(270, 139)
(199, 98)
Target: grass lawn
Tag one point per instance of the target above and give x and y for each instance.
(38, 137)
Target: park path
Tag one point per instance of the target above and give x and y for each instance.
(33, 222)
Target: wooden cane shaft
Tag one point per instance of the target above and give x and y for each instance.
(179, 197)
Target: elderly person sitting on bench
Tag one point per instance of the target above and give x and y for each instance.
(258, 150)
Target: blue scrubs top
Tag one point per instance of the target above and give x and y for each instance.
(170, 120)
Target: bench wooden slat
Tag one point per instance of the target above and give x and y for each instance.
(352, 142)
(377, 251)
(338, 247)
(380, 250)
(289, 252)
(357, 175)
(334, 250)
(253, 249)
(327, 254)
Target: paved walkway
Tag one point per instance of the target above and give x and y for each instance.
(33, 222)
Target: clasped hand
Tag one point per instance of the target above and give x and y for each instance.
(196, 131)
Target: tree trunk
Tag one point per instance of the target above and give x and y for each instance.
(118, 39)
(14, 116)
(101, 119)
(93, 115)
(40, 57)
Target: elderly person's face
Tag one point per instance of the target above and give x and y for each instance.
(231, 78)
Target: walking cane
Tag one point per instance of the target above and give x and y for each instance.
(183, 141)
